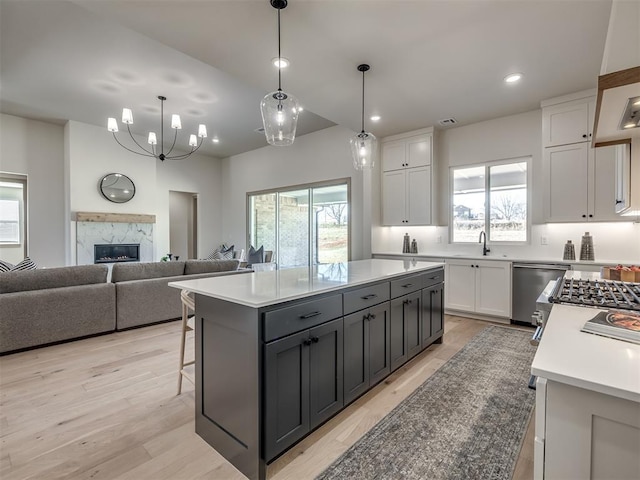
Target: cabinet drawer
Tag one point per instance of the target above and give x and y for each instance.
(365, 297)
(433, 278)
(406, 285)
(287, 320)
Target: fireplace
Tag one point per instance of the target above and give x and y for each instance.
(118, 252)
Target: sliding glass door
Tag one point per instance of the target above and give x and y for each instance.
(303, 225)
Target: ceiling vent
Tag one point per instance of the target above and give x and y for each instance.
(447, 122)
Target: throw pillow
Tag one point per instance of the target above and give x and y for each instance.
(5, 266)
(26, 264)
(212, 255)
(222, 255)
(255, 256)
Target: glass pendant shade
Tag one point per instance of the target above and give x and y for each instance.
(279, 117)
(364, 147)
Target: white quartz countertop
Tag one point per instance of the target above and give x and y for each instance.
(585, 360)
(260, 289)
(507, 258)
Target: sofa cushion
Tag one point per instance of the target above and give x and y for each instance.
(5, 266)
(123, 272)
(209, 266)
(26, 264)
(27, 280)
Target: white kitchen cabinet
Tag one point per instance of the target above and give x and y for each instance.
(406, 197)
(581, 183)
(479, 286)
(407, 152)
(568, 122)
(407, 178)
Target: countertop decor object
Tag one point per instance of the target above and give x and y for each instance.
(414, 246)
(586, 248)
(569, 251)
(406, 247)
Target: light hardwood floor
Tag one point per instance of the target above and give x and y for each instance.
(106, 408)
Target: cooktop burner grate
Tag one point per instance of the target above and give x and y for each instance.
(597, 293)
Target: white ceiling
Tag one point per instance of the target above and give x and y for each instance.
(84, 60)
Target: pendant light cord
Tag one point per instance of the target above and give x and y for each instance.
(279, 56)
(362, 102)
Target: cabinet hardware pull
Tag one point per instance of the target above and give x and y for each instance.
(369, 297)
(371, 315)
(306, 342)
(309, 315)
(367, 316)
(590, 215)
(584, 136)
(619, 201)
(433, 278)
(405, 302)
(584, 216)
(407, 285)
(315, 339)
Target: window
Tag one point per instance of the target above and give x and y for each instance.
(302, 225)
(492, 198)
(13, 199)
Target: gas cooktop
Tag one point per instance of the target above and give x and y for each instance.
(597, 293)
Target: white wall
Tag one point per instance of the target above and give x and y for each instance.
(319, 156)
(502, 138)
(36, 149)
(92, 153)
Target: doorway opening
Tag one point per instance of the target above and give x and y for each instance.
(183, 224)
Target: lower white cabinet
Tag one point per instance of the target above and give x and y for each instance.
(584, 434)
(406, 196)
(478, 286)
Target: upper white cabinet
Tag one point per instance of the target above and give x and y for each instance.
(407, 178)
(581, 183)
(408, 152)
(482, 287)
(568, 122)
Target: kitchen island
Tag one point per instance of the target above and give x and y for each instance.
(587, 401)
(278, 353)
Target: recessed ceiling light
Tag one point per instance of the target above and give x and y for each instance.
(636, 103)
(375, 118)
(630, 125)
(215, 140)
(300, 108)
(512, 78)
(280, 62)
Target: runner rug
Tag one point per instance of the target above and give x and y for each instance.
(467, 421)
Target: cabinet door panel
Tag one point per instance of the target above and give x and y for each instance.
(413, 315)
(493, 289)
(602, 202)
(325, 372)
(356, 355)
(565, 124)
(393, 155)
(461, 286)
(437, 312)
(419, 196)
(566, 169)
(419, 151)
(398, 337)
(393, 198)
(379, 333)
(287, 392)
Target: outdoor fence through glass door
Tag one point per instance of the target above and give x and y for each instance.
(303, 226)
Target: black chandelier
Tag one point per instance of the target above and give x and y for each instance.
(158, 152)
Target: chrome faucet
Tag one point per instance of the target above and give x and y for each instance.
(485, 250)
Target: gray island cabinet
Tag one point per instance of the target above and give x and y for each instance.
(279, 353)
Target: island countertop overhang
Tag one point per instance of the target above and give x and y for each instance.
(262, 289)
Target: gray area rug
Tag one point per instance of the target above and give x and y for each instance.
(467, 421)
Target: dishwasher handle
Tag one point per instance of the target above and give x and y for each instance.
(542, 266)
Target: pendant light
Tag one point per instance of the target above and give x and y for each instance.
(279, 109)
(364, 145)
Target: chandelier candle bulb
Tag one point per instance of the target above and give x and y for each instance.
(127, 116)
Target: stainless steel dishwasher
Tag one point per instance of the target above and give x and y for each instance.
(529, 280)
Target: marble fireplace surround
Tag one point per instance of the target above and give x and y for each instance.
(113, 228)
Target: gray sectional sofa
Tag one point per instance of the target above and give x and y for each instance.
(142, 292)
(45, 306)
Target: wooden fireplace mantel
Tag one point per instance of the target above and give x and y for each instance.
(114, 217)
